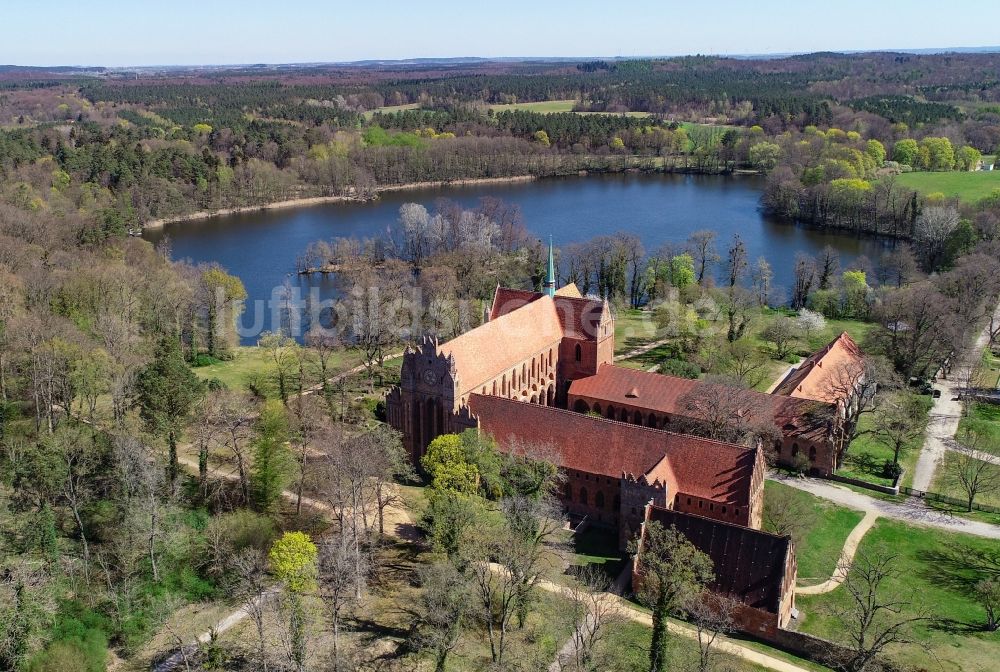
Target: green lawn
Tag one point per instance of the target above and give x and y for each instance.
(933, 570)
(598, 547)
(251, 365)
(944, 482)
(968, 186)
(633, 329)
(866, 455)
(984, 419)
(625, 648)
(820, 548)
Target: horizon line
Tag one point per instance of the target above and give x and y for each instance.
(917, 51)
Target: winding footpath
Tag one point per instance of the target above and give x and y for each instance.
(846, 557)
(946, 414)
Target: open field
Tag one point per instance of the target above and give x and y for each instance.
(252, 365)
(819, 550)
(968, 186)
(389, 109)
(934, 570)
(542, 106)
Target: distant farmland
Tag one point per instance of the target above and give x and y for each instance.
(970, 187)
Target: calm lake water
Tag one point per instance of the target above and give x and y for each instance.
(261, 247)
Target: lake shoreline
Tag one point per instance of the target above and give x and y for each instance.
(322, 200)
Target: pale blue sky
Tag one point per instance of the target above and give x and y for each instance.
(153, 32)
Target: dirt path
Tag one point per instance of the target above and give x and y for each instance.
(398, 524)
(724, 644)
(641, 350)
(846, 557)
(946, 414)
(913, 510)
(784, 374)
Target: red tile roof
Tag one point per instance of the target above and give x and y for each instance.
(485, 352)
(659, 393)
(580, 317)
(816, 377)
(691, 465)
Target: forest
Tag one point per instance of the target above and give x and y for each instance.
(147, 489)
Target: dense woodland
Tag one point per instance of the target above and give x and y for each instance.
(132, 489)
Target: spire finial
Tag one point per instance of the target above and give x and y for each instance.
(550, 277)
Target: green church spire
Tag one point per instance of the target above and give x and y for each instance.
(550, 277)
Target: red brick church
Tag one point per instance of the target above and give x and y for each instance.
(540, 371)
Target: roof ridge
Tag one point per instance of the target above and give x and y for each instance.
(703, 439)
(716, 521)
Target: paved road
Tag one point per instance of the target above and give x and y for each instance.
(911, 511)
(945, 414)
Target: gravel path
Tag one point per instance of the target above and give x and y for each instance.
(945, 415)
(912, 510)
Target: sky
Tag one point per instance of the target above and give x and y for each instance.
(188, 32)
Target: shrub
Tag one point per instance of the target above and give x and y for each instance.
(891, 470)
(201, 359)
(680, 368)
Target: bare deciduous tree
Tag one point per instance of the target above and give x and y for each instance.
(873, 617)
(250, 576)
(593, 612)
(972, 475)
(441, 612)
(712, 615)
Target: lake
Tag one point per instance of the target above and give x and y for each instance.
(261, 247)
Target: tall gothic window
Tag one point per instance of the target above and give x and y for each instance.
(579, 352)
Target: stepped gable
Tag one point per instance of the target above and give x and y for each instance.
(711, 470)
(816, 377)
(749, 564)
(483, 353)
(659, 393)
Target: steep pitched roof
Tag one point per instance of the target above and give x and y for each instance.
(815, 377)
(713, 470)
(749, 564)
(662, 394)
(485, 352)
(579, 316)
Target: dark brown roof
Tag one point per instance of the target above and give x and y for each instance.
(659, 393)
(749, 564)
(712, 470)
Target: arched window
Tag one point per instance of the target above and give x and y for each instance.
(599, 500)
(568, 492)
(812, 453)
(652, 421)
(581, 406)
(795, 449)
(579, 352)
(597, 409)
(611, 412)
(623, 416)
(583, 495)
(503, 385)
(637, 418)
